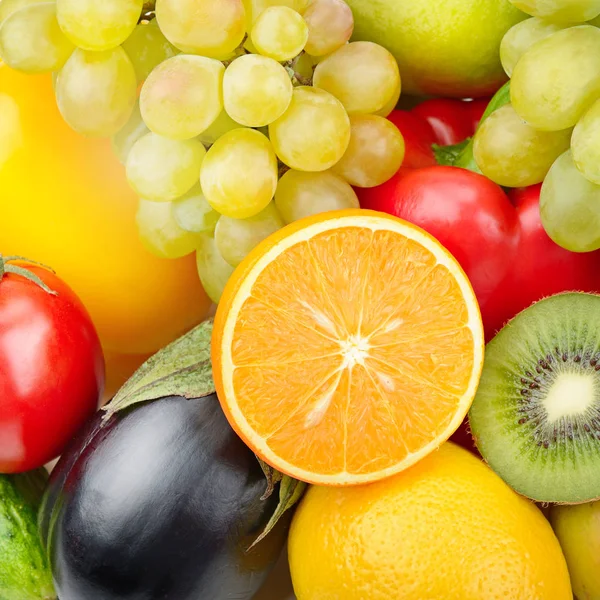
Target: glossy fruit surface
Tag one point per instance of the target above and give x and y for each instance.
(66, 202)
(447, 528)
(448, 119)
(119, 492)
(445, 48)
(359, 307)
(51, 369)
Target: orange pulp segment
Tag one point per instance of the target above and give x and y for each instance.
(346, 347)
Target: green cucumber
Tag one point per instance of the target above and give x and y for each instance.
(24, 569)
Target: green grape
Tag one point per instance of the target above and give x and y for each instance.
(236, 238)
(125, 138)
(212, 28)
(8, 7)
(254, 8)
(391, 105)
(96, 91)
(256, 90)
(160, 233)
(279, 33)
(31, 40)
(147, 47)
(362, 75)
(514, 154)
(301, 194)
(219, 127)
(98, 25)
(183, 96)
(558, 78)
(213, 270)
(561, 11)
(313, 134)
(193, 212)
(570, 207)
(585, 144)
(519, 38)
(162, 169)
(239, 174)
(374, 154)
(330, 25)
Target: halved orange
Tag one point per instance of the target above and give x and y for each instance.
(346, 347)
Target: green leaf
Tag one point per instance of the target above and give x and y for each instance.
(447, 155)
(273, 478)
(290, 493)
(183, 368)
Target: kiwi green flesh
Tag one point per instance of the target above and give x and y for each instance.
(536, 414)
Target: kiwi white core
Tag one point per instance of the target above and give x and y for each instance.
(571, 394)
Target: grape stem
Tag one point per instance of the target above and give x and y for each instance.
(282, 169)
(290, 67)
(148, 11)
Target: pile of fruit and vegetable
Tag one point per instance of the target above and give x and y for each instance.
(299, 299)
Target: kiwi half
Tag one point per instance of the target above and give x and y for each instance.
(536, 415)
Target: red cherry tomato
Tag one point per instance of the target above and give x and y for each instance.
(418, 138)
(449, 119)
(51, 369)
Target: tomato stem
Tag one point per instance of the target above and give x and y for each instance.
(6, 268)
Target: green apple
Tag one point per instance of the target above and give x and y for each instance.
(578, 531)
(443, 47)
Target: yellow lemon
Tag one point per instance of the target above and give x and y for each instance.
(446, 529)
(65, 201)
(443, 47)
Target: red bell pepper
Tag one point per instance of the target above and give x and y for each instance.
(451, 120)
(499, 240)
(439, 121)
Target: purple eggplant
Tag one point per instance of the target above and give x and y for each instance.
(160, 501)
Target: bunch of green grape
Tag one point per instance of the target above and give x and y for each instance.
(232, 117)
(550, 131)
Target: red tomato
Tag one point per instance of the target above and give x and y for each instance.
(542, 267)
(449, 119)
(51, 369)
(418, 138)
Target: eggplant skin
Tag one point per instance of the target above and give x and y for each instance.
(160, 502)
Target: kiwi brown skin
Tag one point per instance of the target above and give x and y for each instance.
(536, 415)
